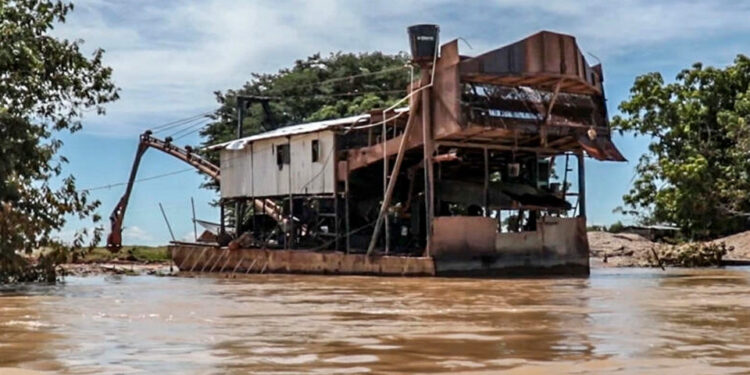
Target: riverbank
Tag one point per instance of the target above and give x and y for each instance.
(633, 250)
(129, 260)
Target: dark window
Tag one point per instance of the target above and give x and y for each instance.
(282, 155)
(315, 150)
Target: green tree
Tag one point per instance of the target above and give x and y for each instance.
(696, 174)
(318, 88)
(46, 84)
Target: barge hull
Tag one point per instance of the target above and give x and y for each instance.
(191, 259)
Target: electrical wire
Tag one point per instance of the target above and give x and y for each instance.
(191, 124)
(109, 186)
(339, 79)
(179, 122)
(189, 130)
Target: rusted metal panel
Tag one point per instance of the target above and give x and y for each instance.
(360, 157)
(556, 241)
(541, 60)
(190, 258)
(446, 92)
(464, 234)
(600, 148)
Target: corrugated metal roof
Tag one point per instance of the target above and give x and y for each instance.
(310, 127)
(239, 144)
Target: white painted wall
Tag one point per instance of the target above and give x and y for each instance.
(254, 170)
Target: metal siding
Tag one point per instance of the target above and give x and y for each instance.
(312, 177)
(235, 173)
(238, 174)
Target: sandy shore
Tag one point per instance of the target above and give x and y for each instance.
(119, 268)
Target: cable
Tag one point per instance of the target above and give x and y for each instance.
(189, 130)
(338, 79)
(175, 123)
(191, 124)
(139, 180)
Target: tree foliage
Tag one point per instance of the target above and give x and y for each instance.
(696, 174)
(317, 88)
(46, 84)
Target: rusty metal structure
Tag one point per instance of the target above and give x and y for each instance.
(474, 176)
(462, 177)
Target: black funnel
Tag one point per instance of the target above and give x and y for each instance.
(423, 40)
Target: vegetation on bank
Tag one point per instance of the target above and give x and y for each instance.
(695, 174)
(314, 89)
(692, 254)
(46, 86)
(140, 254)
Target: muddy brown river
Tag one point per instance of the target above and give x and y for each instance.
(618, 321)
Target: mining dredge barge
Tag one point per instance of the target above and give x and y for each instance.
(479, 173)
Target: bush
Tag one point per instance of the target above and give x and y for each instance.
(694, 254)
(617, 227)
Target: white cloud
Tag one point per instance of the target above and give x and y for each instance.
(135, 235)
(169, 57)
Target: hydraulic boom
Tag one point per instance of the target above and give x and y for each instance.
(114, 239)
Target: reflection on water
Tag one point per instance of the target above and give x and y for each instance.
(617, 321)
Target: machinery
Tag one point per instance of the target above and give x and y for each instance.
(187, 155)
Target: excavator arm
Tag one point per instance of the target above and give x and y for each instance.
(114, 239)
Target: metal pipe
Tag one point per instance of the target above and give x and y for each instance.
(346, 208)
(291, 196)
(195, 225)
(427, 151)
(166, 221)
(581, 186)
(252, 188)
(486, 182)
(392, 182)
(385, 181)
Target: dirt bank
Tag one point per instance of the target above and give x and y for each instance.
(633, 250)
(620, 249)
(118, 268)
(741, 244)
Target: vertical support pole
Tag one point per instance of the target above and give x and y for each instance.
(222, 225)
(336, 196)
(240, 115)
(195, 226)
(263, 232)
(385, 184)
(252, 190)
(346, 208)
(237, 203)
(336, 225)
(167, 221)
(290, 243)
(486, 183)
(238, 208)
(428, 150)
(581, 186)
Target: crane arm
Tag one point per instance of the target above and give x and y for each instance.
(146, 141)
(114, 239)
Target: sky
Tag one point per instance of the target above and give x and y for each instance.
(170, 56)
